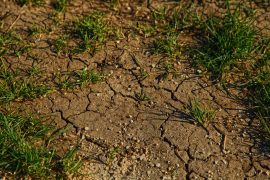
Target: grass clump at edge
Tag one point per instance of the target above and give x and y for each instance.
(13, 87)
(168, 45)
(60, 45)
(259, 90)
(170, 23)
(92, 31)
(60, 5)
(12, 44)
(78, 79)
(33, 2)
(228, 41)
(24, 152)
(201, 114)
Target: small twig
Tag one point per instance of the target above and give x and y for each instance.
(224, 143)
(17, 18)
(224, 139)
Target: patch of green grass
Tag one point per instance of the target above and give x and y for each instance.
(176, 19)
(60, 5)
(142, 96)
(60, 45)
(184, 18)
(145, 30)
(143, 74)
(168, 69)
(20, 89)
(112, 3)
(92, 31)
(36, 30)
(169, 23)
(13, 87)
(228, 41)
(112, 154)
(33, 2)
(79, 78)
(33, 71)
(12, 44)
(259, 89)
(8, 43)
(159, 15)
(167, 45)
(201, 114)
(260, 97)
(24, 152)
(64, 81)
(85, 76)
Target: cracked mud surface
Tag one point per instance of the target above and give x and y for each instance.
(126, 137)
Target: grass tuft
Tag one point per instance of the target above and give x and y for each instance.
(13, 87)
(167, 45)
(259, 90)
(60, 5)
(201, 114)
(92, 31)
(33, 2)
(229, 40)
(60, 45)
(79, 78)
(36, 30)
(23, 150)
(9, 43)
(85, 76)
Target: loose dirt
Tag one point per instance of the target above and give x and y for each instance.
(134, 128)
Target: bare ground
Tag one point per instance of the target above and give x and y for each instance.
(126, 136)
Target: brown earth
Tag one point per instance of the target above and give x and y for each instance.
(122, 134)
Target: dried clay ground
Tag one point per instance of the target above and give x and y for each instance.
(134, 122)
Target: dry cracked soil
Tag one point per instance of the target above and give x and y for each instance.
(130, 126)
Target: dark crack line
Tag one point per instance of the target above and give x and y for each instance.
(81, 132)
(112, 89)
(120, 93)
(97, 142)
(89, 102)
(214, 97)
(175, 149)
(223, 139)
(186, 79)
(68, 121)
(173, 97)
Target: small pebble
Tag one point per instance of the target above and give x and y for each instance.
(151, 164)
(224, 161)
(147, 53)
(133, 157)
(142, 157)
